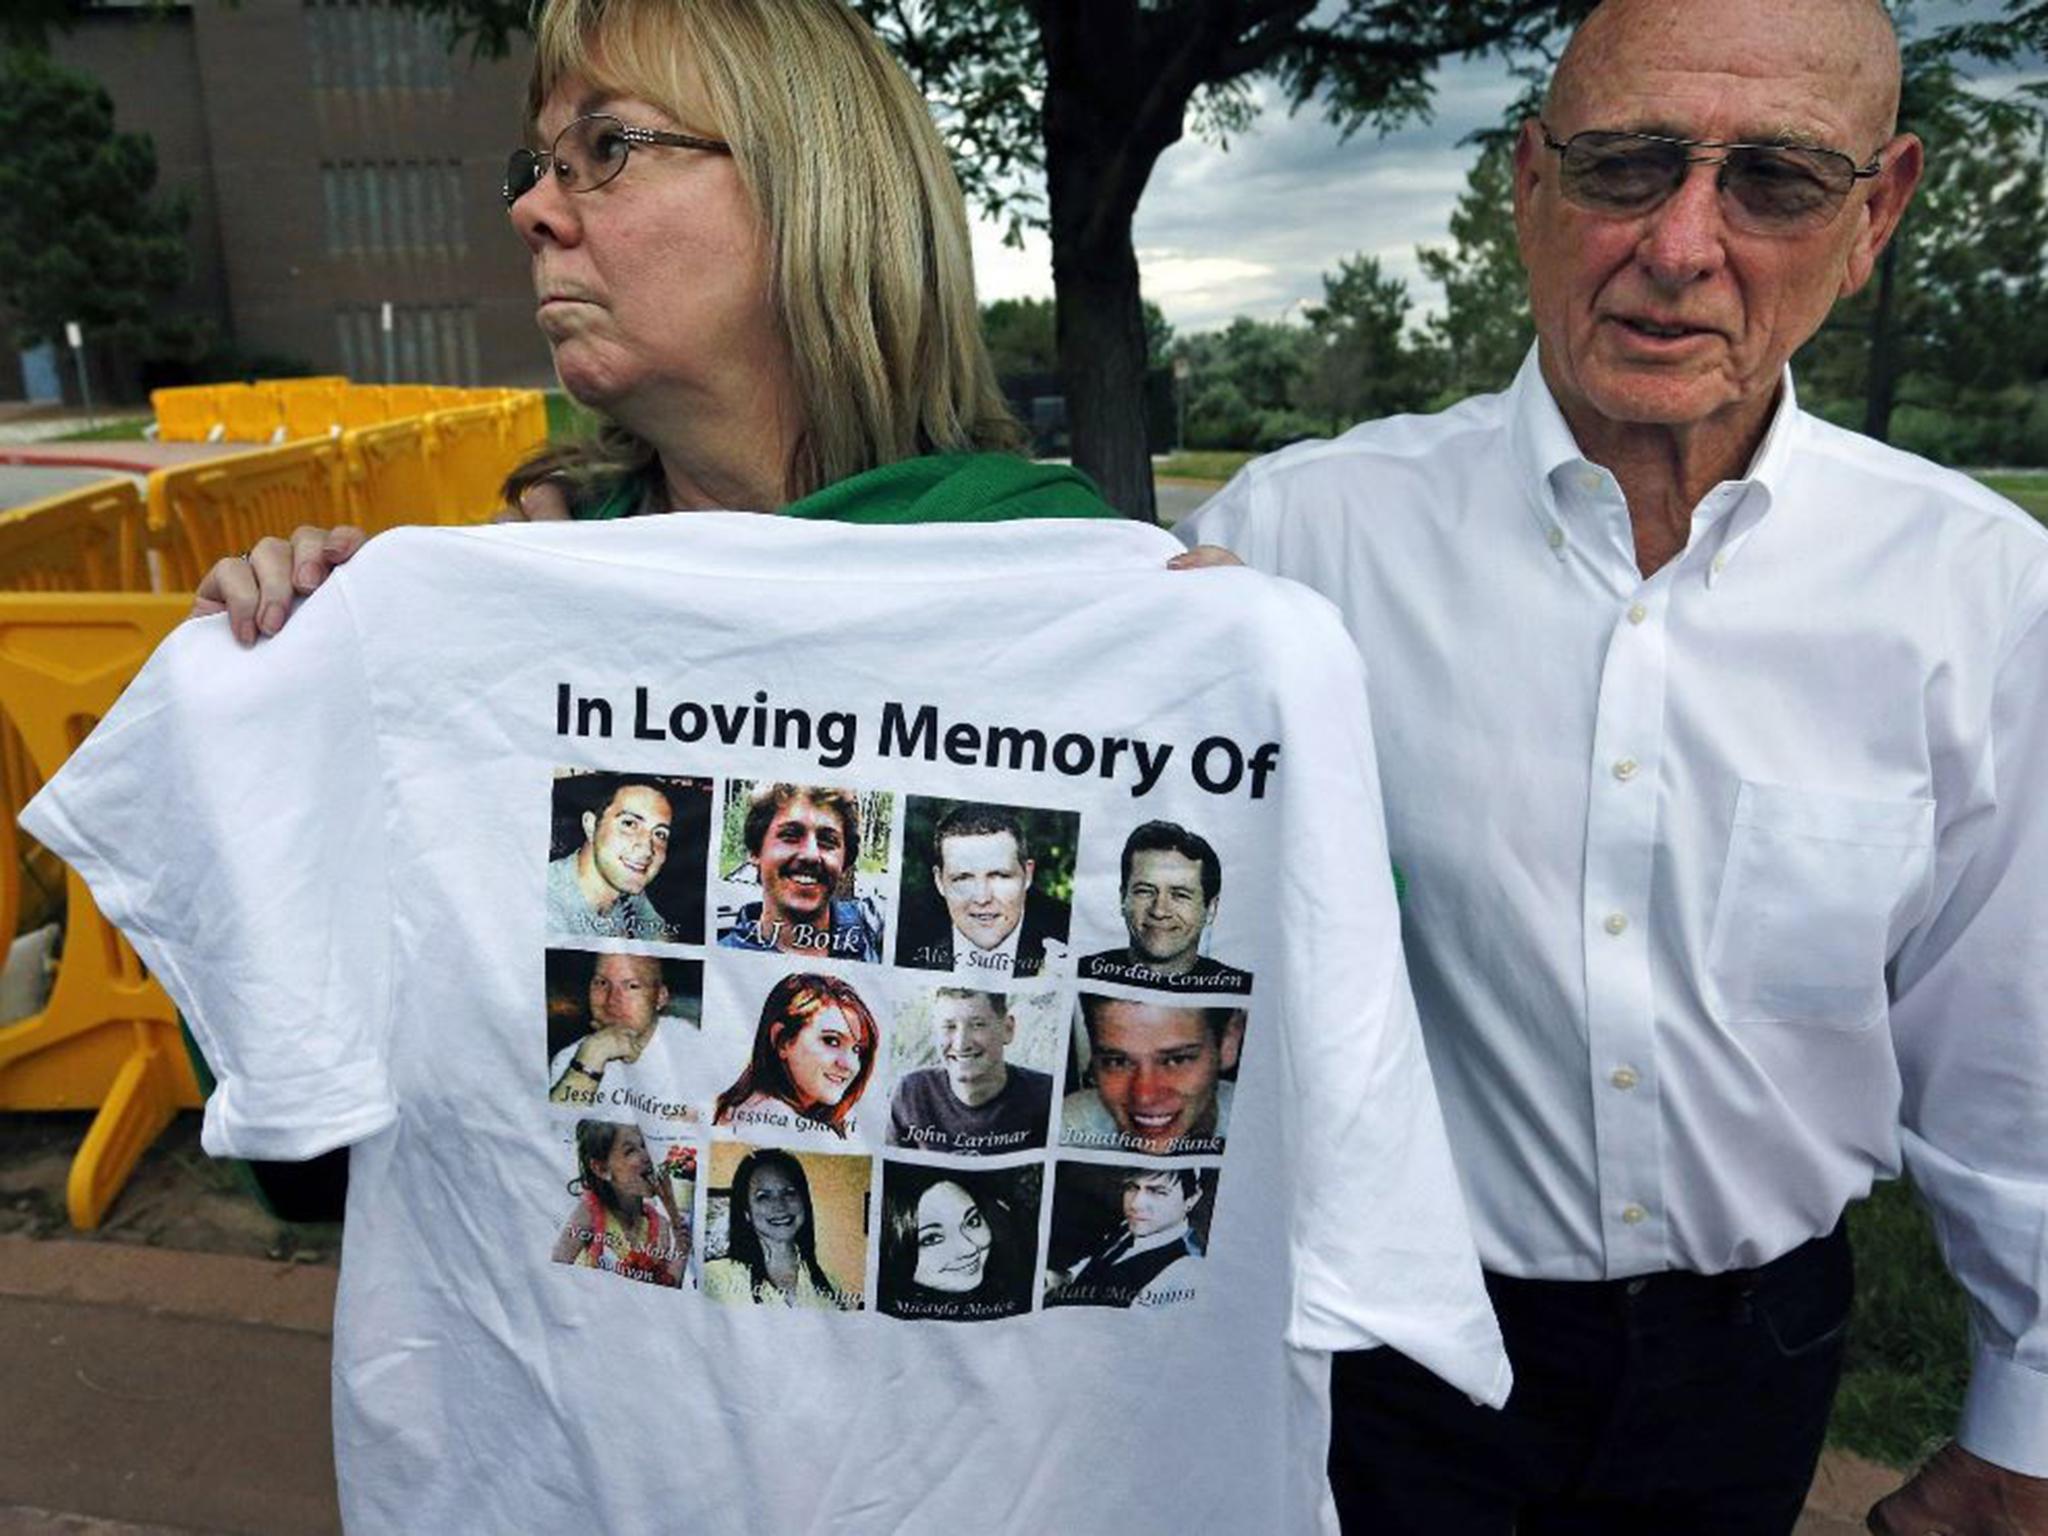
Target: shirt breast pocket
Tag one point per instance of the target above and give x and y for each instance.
(1813, 883)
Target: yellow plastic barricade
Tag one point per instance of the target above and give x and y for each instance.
(390, 474)
(409, 400)
(470, 463)
(364, 405)
(200, 513)
(250, 412)
(190, 413)
(311, 407)
(523, 414)
(90, 540)
(109, 1035)
(448, 398)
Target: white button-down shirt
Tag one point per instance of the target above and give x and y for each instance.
(1728, 887)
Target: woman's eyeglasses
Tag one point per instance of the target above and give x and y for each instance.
(591, 151)
(1769, 189)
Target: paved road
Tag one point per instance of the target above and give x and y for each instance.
(146, 1385)
(22, 483)
(1177, 498)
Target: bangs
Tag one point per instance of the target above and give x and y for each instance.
(639, 48)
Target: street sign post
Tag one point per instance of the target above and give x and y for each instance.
(74, 338)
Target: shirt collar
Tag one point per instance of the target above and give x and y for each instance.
(1543, 451)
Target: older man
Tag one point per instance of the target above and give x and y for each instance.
(1716, 755)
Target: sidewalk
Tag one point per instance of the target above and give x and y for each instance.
(151, 1392)
(162, 1390)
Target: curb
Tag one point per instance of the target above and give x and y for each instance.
(298, 1298)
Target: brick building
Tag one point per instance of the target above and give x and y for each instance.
(337, 156)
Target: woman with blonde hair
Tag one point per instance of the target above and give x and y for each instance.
(751, 260)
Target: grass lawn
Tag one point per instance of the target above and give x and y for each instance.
(1908, 1341)
(2028, 487)
(126, 429)
(1213, 468)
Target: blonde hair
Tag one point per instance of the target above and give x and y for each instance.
(873, 276)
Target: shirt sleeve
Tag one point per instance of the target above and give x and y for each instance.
(1382, 1243)
(1970, 1021)
(227, 815)
(1221, 519)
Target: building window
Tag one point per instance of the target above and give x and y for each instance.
(393, 207)
(374, 45)
(428, 344)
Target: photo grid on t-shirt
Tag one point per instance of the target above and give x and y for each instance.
(852, 1047)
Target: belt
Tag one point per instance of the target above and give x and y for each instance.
(1676, 1292)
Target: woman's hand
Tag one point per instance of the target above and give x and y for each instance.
(256, 590)
(540, 502)
(1202, 555)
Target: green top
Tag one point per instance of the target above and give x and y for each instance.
(938, 488)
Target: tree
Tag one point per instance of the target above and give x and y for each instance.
(1361, 364)
(1244, 384)
(1484, 330)
(81, 237)
(1965, 265)
(1020, 336)
(1089, 93)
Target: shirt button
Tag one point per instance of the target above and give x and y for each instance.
(1589, 480)
(1720, 563)
(1616, 923)
(1556, 538)
(1626, 769)
(1634, 1215)
(1637, 613)
(1623, 1078)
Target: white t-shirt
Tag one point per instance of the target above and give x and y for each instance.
(333, 851)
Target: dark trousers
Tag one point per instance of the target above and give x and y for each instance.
(1674, 1405)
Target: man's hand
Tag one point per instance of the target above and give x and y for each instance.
(605, 1046)
(1958, 1494)
(256, 589)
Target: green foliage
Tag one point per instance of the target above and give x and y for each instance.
(1957, 314)
(877, 815)
(1484, 331)
(1908, 1357)
(80, 236)
(1245, 385)
(1360, 362)
(1022, 336)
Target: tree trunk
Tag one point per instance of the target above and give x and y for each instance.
(1881, 384)
(1111, 107)
(1102, 362)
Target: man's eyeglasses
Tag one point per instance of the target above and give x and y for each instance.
(1768, 189)
(591, 151)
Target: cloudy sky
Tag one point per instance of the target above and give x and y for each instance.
(1251, 230)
